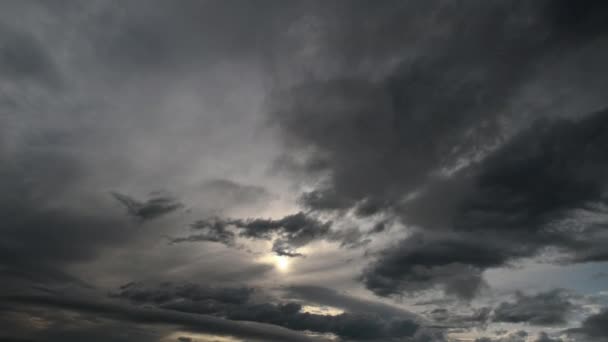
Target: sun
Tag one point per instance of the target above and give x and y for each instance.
(281, 263)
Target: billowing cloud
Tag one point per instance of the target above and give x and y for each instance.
(539, 190)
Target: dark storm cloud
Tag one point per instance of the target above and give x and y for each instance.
(154, 207)
(379, 139)
(43, 228)
(67, 327)
(331, 297)
(477, 318)
(365, 320)
(524, 197)
(297, 229)
(518, 336)
(169, 292)
(412, 141)
(594, 327)
(574, 20)
(356, 327)
(350, 304)
(418, 114)
(191, 322)
(420, 263)
(547, 308)
(544, 337)
(540, 175)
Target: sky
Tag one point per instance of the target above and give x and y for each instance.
(303, 170)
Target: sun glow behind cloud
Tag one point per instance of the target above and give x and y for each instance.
(281, 263)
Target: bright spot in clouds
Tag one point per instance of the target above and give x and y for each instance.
(281, 263)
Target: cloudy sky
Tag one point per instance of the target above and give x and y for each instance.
(240, 170)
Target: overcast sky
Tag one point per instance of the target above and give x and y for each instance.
(253, 171)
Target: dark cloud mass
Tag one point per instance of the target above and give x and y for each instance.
(594, 327)
(543, 337)
(167, 292)
(350, 170)
(238, 304)
(290, 232)
(539, 190)
(518, 336)
(550, 308)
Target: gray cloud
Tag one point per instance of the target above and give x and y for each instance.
(521, 199)
(446, 139)
(24, 58)
(547, 308)
(544, 337)
(156, 206)
(518, 336)
(479, 317)
(326, 296)
(348, 326)
(226, 193)
(372, 137)
(168, 292)
(422, 263)
(192, 322)
(209, 230)
(291, 231)
(365, 320)
(430, 139)
(44, 229)
(593, 327)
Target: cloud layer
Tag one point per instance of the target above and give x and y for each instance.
(422, 171)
